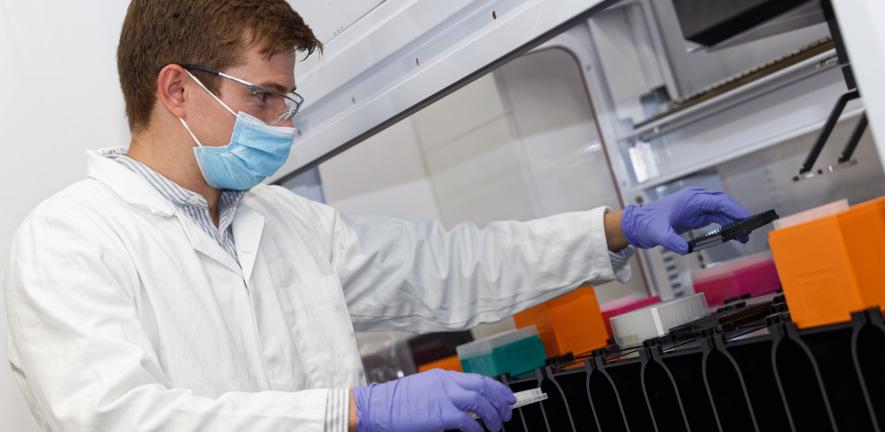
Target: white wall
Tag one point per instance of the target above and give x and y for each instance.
(383, 175)
(60, 96)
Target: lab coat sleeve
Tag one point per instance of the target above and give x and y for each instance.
(85, 362)
(400, 275)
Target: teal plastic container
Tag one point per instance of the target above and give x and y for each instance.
(515, 353)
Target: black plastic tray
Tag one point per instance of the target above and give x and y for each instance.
(778, 378)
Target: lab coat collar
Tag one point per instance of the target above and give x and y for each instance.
(137, 191)
(248, 225)
(130, 186)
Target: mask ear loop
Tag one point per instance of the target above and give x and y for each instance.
(200, 83)
(186, 127)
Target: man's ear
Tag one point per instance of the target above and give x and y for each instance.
(171, 90)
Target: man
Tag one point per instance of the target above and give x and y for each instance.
(170, 291)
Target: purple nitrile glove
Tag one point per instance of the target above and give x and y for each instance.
(663, 221)
(435, 400)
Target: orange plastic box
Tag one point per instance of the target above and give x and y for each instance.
(571, 323)
(832, 266)
(448, 363)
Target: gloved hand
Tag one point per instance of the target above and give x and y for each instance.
(663, 221)
(435, 400)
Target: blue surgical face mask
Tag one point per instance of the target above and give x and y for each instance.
(256, 150)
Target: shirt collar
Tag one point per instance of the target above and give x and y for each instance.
(177, 195)
(136, 189)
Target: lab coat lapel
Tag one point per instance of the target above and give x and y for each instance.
(206, 245)
(135, 190)
(248, 227)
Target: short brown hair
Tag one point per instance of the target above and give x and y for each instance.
(210, 33)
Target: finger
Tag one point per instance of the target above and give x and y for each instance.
(482, 385)
(468, 381)
(461, 421)
(722, 203)
(716, 218)
(674, 242)
(489, 415)
(498, 394)
(506, 414)
(493, 389)
(511, 398)
(744, 238)
(468, 424)
(503, 402)
(470, 401)
(731, 208)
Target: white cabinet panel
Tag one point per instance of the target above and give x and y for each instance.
(329, 18)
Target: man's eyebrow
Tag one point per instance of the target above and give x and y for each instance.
(278, 87)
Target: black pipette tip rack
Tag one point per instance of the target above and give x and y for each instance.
(732, 231)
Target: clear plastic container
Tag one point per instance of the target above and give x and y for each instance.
(632, 328)
(752, 275)
(514, 352)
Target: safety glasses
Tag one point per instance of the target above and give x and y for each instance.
(284, 105)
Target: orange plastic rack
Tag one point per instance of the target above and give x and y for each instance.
(833, 266)
(570, 323)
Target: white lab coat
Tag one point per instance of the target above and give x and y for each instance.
(124, 315)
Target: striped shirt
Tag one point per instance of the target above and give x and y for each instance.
(193, 204)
